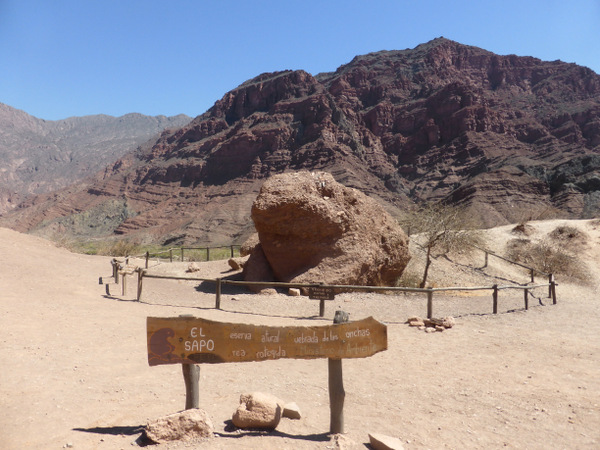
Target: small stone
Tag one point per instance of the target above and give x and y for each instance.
(291, 411)
(268, 291)
(294, 292)
(439, 328)
(429, 330)
(416, 323)
(448, 322)
(382, 442)
(193, 267)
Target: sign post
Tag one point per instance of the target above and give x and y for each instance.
(190, 340)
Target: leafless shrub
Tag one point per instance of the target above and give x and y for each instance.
(443, 229)
(546, 256)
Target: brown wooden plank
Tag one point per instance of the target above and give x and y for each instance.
(192, 340)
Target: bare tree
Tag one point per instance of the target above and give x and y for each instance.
(443, 229)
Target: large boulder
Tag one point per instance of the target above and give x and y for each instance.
(312, 229)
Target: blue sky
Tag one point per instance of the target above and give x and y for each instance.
(64, 58)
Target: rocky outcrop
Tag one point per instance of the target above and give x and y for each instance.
(508, 137)
(313, 229)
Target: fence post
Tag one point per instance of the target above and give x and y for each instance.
(486, 259)
(232, 251)
(170, 255)
(550, 279)
(147, 258)
(139, 285)
(553, 290)
(207, 254)
(429, 303)
(218, 290)
(336, 386)
(495, 298)
(181, 254)
(532, 275)
(526, 297)
(115, 267)
(123, 283)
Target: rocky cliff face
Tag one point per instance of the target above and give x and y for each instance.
(40, 156)
(509, 137)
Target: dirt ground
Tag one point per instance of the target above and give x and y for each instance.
(74, 370)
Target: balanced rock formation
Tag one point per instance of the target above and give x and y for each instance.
(313, 229)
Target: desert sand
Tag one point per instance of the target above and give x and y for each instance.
(74, 371)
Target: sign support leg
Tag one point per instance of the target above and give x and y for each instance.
(191, 377)
(336, 386)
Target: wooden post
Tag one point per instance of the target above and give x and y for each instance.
(123, 285)
(232, 251)
(550, 279)
(181, 254)
(147, 258)
(321, 308)
(207, 253)
(170, 255)
(553, 290)
(139, 285)
(495, 297)
(336, 386)
(429, 303)
(191, 377)
(526, 298)
(532, 275)
(115, 270)
(218, 299)
(486, 259)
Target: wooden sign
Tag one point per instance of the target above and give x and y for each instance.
(191, 340)
(321, 293)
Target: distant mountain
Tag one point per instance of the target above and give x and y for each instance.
(39, 156)
(508, 137)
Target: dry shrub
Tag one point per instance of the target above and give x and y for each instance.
(121, 248)
(546, 256)
(524, 229)
(566, 234)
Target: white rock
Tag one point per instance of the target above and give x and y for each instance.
(382, 442)
(291, 411)
(294, 292)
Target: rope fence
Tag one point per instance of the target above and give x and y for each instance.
(128, 270)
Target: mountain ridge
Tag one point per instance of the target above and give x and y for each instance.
(40, 156)
(508, 137)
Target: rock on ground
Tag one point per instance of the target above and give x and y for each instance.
(185, 425)
(258, 410)
(313, 229)
(383, 442)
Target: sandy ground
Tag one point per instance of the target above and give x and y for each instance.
(74, 370)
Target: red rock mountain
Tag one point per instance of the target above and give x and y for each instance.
(509, 137)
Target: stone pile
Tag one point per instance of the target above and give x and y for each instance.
(431, 325)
